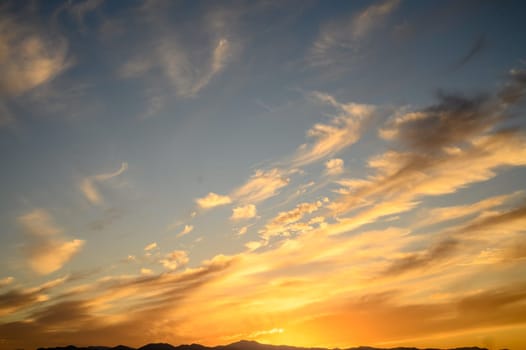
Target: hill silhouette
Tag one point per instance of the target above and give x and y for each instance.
(241, 345)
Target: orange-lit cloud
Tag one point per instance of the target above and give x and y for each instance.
(244, 212)
(46, 249)
(343, 130)
(150, 246)
(334, 166)
(261, 185)
(213, 200)
(186, 230)
(175, 259)
(30, 57)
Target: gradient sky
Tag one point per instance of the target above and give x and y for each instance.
(314, 173)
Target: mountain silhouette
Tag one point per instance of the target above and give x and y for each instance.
(240, 345)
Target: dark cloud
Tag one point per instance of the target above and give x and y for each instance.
(449, 246)
(493, 221)
(476, 48)
(515, 88)
(488, 302)
(427, 141)
(76, 317)
(436, 253)
(454, 119)
(15, 299)
(108, 217)
(67, 312)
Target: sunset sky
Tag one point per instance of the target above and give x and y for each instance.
(311, 173)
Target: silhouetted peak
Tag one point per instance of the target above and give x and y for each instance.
(73, 347)
(245, 343)
(191, 347)
(158, 346)
(122, 347)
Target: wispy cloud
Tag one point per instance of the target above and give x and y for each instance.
(340, 39)
(23, 298)
(180, 70)
(47, 250)
(88, 185)
(30, 56)
(343, 130)
(80, 9)
(186, 67)
(439, 215)
(262, 185)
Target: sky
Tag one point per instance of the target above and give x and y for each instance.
(310, 173)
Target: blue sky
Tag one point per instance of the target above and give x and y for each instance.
(290, 161)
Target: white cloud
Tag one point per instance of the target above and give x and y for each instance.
(186, 230)
(334, 166)
(46, 250)
(150, 246)
(213, 200)
(244, 212)
(89, 188)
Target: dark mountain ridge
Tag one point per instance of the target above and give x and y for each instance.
(241, 345)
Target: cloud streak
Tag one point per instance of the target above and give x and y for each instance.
(343, 130)
(88, 185)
